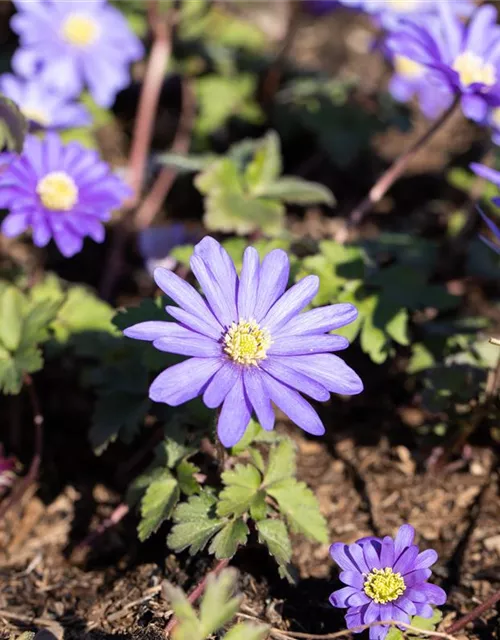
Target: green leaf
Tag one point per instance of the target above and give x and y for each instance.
(426, 624)
(38, 320)
(83, 311)
(187, 483)
(281, 464)
(248, 631)
(297, 191)
(195, 524)
(274, 535)
(394, 634)
(226, 542)
(118, 413)
(12, 368)
(189, 625)
(266, 165)
(157, 504)
(218, 606)
(373, 339)
(12, 306)
(13, 126)
(241, 486)
(187, 164)
(397, 327)
(301, 508)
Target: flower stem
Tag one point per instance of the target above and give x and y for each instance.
(32, 474)
(385, 182)
(198, 591)
(474, 614)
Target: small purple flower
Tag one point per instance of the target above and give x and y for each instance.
(69, 45)
(61, 192)
(156, 243)
(465, 59)
(493, 120)
(386, 580)
(390, 12)
(493, 176)
(45, 109)
(249, 343)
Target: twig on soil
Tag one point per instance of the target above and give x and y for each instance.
(475, 613)
(152, 202)
(141, 138)
(32, 474)
(198, 591)
(118, 514)
(292, 635)
(151, 593)
(387, 179)
(51, 625)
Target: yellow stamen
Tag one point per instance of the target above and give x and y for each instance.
(36, 115)
(80, 30)
(403, 6)
(246, 343)
(57, 191)
(495, 117)
(408, 68)
(383, 585)
(472, 69)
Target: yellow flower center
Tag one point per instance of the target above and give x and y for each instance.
(403, 6)
(383, 585)
(471, 68)
(80, 30)
(495, 117)
(408, 68)
(57, 191)
(36, 115)
(246, 343)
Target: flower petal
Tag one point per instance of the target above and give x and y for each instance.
(426, 559)
(234, 416)
(216, 298)
(340, 554)
(184, 295)
(330, 371)
(405, 563)
(249, 284)
(200, 347)
(290, 303)
(372, 613)
(415, 577)
(352, 579)
(306, 345)
(424, 610)
(259, 398)
(220, 266)
(14, 224)
(279, 369)
(339, 598)
(371, 556)
(293, 405)
(184, 381)
(273, 279)
(320, 320)
(220, 385)
(406, 605)
(387, 552)
(195, 323)
(150, 330)
(404, 538)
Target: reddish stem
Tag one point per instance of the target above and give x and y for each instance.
(153, 201)
(118, 514)
(198, 591)
(387, 179)
(148, 100)
(474, 614)
(34, 469)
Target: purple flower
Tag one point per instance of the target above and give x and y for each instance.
(249, 344)
(156, 243)
(44, 108)
(69, 45)
(465, 59)
(386, 580)
(391, 12)
(493, 120)
(61, 192)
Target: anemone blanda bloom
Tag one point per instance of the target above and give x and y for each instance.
(43, 108)
(248, 343)
(70, 45)
(60, 192)
(493, 176)
(465, 59)
(390, 12)
(386, 580)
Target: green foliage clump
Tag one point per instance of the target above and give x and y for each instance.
(217, 608)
